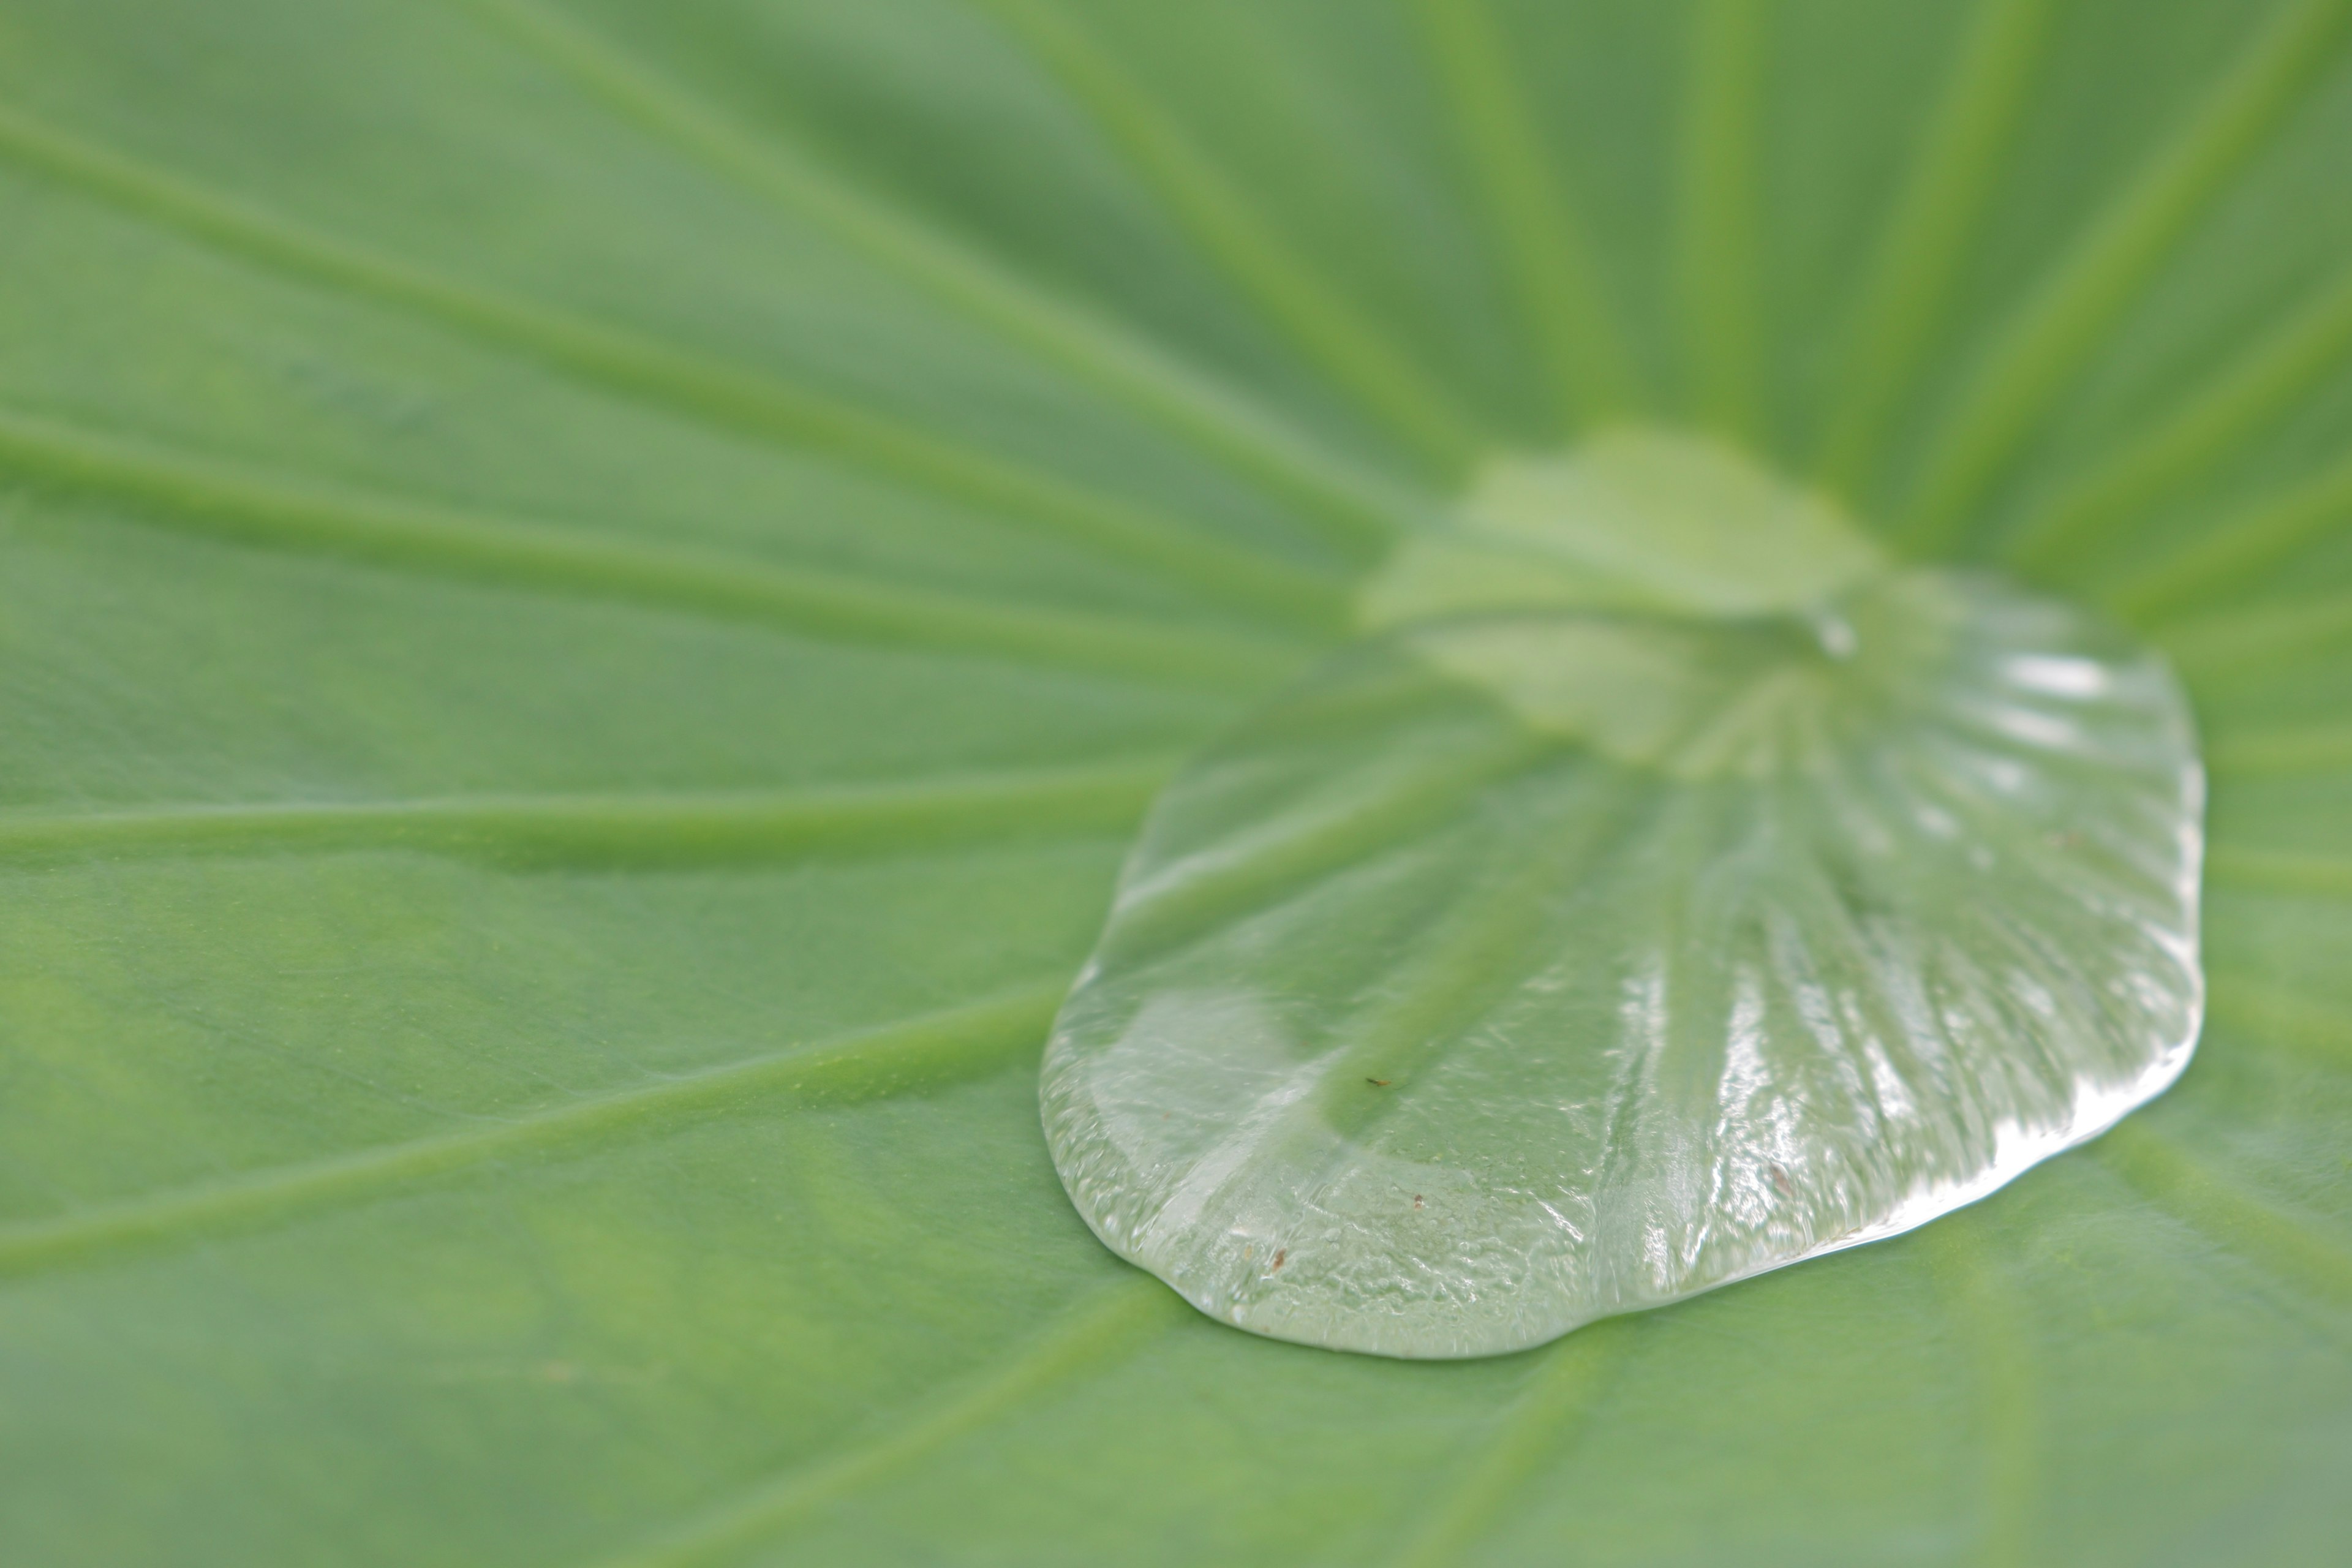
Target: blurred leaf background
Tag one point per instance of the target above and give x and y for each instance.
(594, 588)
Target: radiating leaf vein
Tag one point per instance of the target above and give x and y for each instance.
(1111, 1325)
(2290, 1247)
(2304, 749)
(2227, 411)
(1364, 507)
(1716, 264)
(1535, 1426)
(2011, 1443)
(2061, 323)
(2266, 1011)
(967, 1040)
(1575, 326)
(722, 394)
(739, 827)
(1351, 349)
(2285, 871)
(230, 500)
(1927, 240)
(2238, 547)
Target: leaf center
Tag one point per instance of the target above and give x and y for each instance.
(1634, 519)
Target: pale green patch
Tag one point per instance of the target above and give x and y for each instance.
(1633, 518)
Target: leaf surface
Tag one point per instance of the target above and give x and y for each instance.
(561, 1119)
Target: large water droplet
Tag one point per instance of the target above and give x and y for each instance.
(1617, 931)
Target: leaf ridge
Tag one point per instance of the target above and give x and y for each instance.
(1592, 375)
(1926, 237)
(2047, 339)
(542, 830)
(2228, 412)
(2005, 1371)
(1349, 348)
(2238, 547)
(1561, 1389)
(2276, 871)
(2313, 1029)
(968, 1040)
(2288, 1247)
(1354, 507)
(2305, 749)
(644, 369)
(204, 495)
(1113, 1323)
(1716, 261)
(2263, 638)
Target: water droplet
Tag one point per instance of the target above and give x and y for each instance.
(1645, 949)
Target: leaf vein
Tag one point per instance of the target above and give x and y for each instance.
(1113, 1324)
(722, 395)
(591, 829)
(2239, 548)
(1356, 507)
(2004, 1365)
(2291, 1249)
(2229, 410)
(1354, 352)
(1592, 376)
(2050, 337)
(1716, 262)
(1567, 1378)
(206, 496)
(1928, 236)
(968, 1040)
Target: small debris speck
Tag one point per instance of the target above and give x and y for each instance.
(1278, 1257)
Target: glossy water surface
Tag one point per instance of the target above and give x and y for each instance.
(1525, 966)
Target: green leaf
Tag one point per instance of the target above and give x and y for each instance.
(593, 591)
